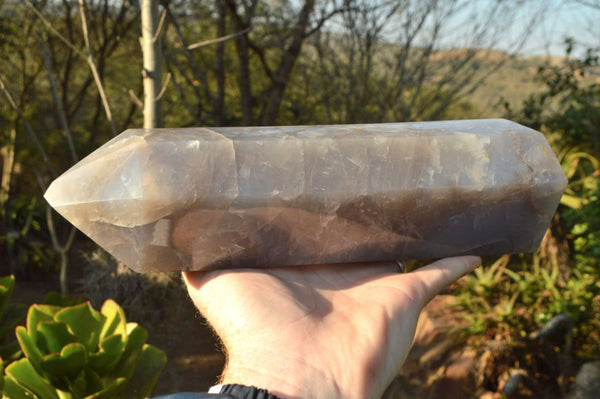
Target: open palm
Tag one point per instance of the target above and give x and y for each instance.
(335, 331)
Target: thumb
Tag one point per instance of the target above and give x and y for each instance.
(430, 280)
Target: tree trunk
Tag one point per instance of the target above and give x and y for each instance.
(276, 90)
(8, 155)
(242, 47)
(151, 52)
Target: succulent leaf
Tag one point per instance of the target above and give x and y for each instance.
(115, 319)
(28, 346)
(68, 363)
(13, 390)
(110, 391)
(53, 336)
(151, 363)
(23, 373)
(111, 349)
(76, 352)
(87, 383)
(37, 314)
(136, 337)
(84, 322)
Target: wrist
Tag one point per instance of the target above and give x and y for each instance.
(281, 376)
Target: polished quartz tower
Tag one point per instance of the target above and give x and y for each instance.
(205, 198)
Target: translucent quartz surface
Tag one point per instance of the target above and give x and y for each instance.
(199, 198)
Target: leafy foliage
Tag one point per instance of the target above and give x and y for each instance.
(569, 106)
(25, 235)
(77, 352)
(11, 314)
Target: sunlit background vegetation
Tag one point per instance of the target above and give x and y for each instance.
(71, 77)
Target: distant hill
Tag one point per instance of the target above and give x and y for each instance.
(513, 82)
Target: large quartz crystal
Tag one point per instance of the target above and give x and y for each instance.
(199, 198)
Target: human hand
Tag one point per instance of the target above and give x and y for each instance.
(323, 331)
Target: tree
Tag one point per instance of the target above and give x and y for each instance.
(151, 72)
(407, 60)
(63, 66)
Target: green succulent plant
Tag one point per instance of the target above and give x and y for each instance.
(77, 352)
(11, 314)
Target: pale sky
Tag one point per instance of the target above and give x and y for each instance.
(563, 18)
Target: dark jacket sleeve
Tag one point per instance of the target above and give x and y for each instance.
(195, 395)
(232, 391)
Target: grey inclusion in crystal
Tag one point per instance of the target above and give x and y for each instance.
(199, 198)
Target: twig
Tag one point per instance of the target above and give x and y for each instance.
(183, 98)
(164, 88)
(61, 249)
(135, 99)
(90, 60)
(59, 103)
(88, 57)
(161, 23)
(207, 42)
(28, 127)
(193, 64)
(54, 31)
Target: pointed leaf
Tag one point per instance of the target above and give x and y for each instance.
(136, 337)
(115, 319)
(151, 363)
(110, 391)
(52, 336)
(37, 314)
(28, 346)
(66, 364)
(87, 383)
(84, 322)
(23, 373)
(109, 354)
(13, 390)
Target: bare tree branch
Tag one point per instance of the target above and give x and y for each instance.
(208, 42)
(54, 31)
(28, 127)
(182, 96)
(62, 250)
(164, 88)
(193, 64)
(135, 99)
(57, 99)
(90, 60)
(88, 57)
(161, 24)
(589, 3)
